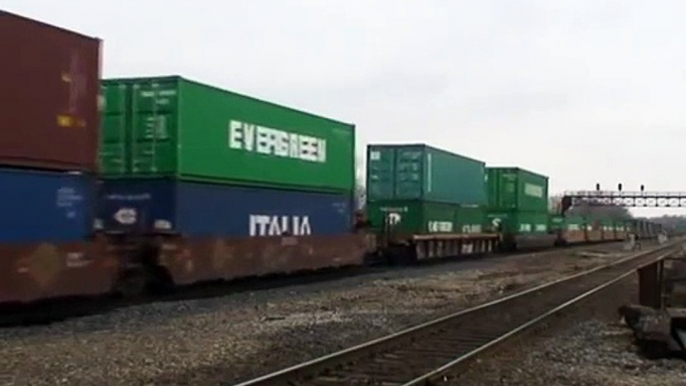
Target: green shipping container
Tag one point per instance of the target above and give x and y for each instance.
(420, 217)
(512, 222)
(517, 189)
(174, 127)
(424, 173)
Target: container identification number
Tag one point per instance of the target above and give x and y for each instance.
(440, 226)
(280, 143)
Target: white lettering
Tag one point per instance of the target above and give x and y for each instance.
(269, 141)
(294, 151)
(402, 209)
(525, 227)
(305, 228)
(282, 141)
(264, 140)
(295, 230)
(249, 135)
(394, 218)
(321, 150)
(236, 135)
(149, 94)
(304, 145)
(440, 226)
(274, 228)
(265, 225)
(258, 225)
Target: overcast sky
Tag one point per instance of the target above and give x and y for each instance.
(582, 91)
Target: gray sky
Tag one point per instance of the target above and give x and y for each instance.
(582, 91)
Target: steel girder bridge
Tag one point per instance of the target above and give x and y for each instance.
(625, 199)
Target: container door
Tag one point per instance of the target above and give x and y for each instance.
(114, 149)
(409, 174)
(380, 173)
(506, 189)
(153, 127)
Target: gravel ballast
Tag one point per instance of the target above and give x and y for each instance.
(242, 335)
(592, 353)
(588, 345)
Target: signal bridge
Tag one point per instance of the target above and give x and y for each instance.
(626, 199)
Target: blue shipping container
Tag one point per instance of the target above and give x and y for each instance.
(201, 209)
(39, 206)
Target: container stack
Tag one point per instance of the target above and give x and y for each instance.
(187, 158)
(418, 189)
(48, 132)
(518, 201)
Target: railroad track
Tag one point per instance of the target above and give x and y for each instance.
(422, 355)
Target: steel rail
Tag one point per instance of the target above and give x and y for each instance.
(347, 367)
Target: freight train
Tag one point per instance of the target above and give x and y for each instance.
(117, 185)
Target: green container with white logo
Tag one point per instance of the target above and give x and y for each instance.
(424, 173)
(413, 217)
(515, 189)
(174, 127)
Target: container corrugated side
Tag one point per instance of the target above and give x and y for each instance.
(421, 172)
(516, 189)
(39, 206)
(177, 127)
(50, 86)
(217, 210)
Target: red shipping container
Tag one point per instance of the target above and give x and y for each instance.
(49, 89)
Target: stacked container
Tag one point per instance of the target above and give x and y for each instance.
(183, 157)
(518, 201)
(418, 189)
(48, 132)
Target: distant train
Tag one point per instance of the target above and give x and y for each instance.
(161, 182)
